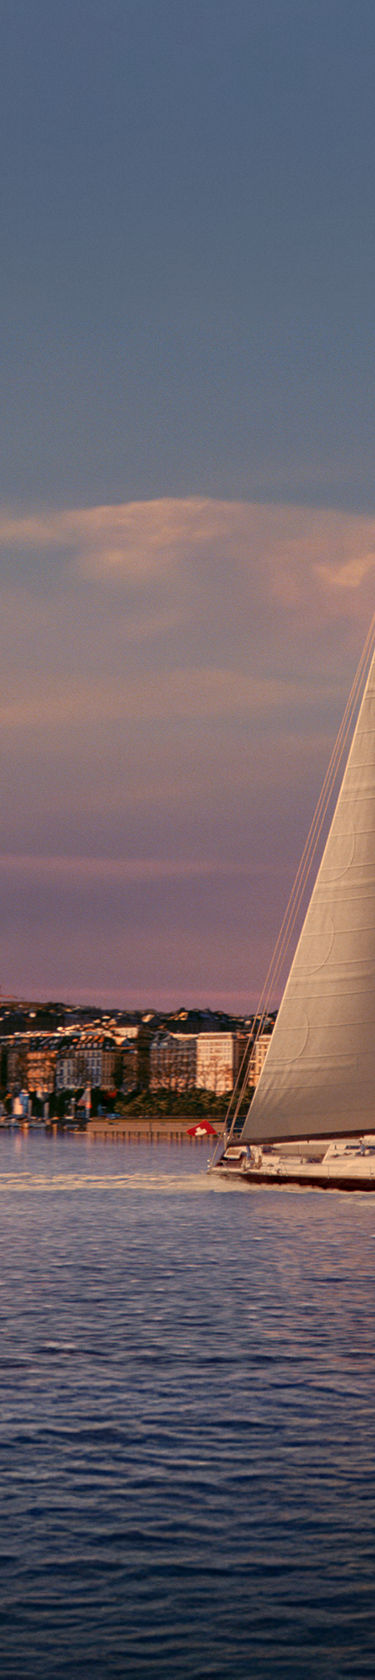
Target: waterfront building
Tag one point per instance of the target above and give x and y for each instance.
(258, 1057)
(102, 1059)
(217, 1063)
(88, 1059)
(173, 1062)
(40, 1066)
(128, 1065)
(71, 1067)
(190, 1061)
(13, 1066)
(29, 1062)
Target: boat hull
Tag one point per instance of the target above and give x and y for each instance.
(300, 1179)
(341, 1166)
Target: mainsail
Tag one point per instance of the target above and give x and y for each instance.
(318, 1079)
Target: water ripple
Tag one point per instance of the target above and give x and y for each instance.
(187, 1442)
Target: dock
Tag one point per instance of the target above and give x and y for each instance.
(152, 1130)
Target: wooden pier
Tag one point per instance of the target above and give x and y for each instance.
(153, 1130)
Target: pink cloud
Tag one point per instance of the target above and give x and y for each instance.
(331, 549)
(172, 680)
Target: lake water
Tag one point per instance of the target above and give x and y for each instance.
(187, 1420)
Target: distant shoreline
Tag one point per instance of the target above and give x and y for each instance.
(118, 1128)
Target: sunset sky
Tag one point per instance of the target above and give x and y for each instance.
(187, 519)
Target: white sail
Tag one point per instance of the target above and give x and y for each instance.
(318, 1079)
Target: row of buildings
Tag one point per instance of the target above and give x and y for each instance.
(147, 1054)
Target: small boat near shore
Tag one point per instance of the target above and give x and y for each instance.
(311, 1121)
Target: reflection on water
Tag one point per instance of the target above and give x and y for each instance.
(188, 1437)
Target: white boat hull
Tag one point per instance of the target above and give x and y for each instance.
(341, 1166)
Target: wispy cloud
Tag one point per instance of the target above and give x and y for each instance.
(172, 676)
(350, 574)
(193, 694)
(141, 539)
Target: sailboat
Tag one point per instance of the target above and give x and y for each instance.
(311, 1120)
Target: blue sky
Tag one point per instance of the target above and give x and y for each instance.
(188, 347)
(188, 267)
